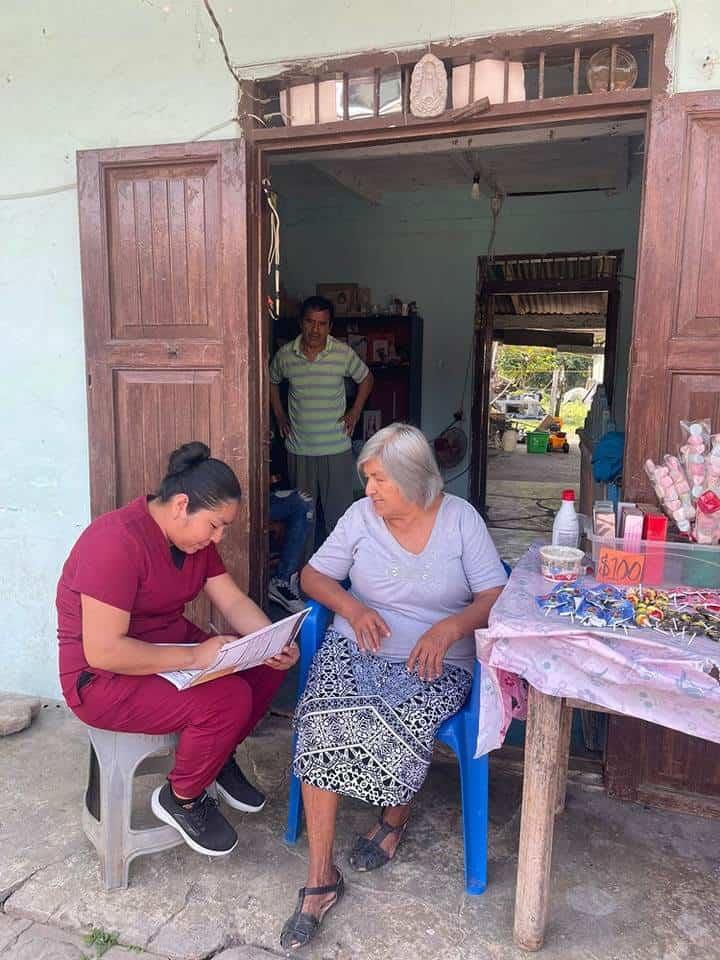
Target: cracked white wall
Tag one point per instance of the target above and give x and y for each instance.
(82, 74)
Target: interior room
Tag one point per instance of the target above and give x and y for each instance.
(402, 236)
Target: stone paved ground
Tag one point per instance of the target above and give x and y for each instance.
(628, 883)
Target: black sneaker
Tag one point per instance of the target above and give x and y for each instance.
(203, 828)
(237, 791)
(286, 594)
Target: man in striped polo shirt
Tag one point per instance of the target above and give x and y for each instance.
(317, 427)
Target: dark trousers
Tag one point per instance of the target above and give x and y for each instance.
(297, 512)
(211, 719)
(329, 480)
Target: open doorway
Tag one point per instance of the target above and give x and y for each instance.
(393, 232)
(545, 387)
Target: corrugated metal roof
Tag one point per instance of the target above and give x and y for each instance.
(560, 303)
(564, 267)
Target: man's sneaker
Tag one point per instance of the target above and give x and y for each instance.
(284, 593)
(237, 791)
(203, 828)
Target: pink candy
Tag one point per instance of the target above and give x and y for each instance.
(688, 487)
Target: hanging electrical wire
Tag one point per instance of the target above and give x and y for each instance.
(273, 258)
(496, 204)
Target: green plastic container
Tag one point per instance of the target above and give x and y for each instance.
(537, 441)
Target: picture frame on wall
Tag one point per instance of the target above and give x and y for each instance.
(343, 296)
(371, 423)
(381, 347)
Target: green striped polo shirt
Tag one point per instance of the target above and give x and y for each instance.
(316, 399)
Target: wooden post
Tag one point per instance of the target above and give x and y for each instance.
(538, 819)
(576, 72)
(566, 718)
(555, 388)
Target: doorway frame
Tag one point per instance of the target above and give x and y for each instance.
(265, 143)
(483, 338)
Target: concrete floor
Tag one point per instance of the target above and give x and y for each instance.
(524, 491)
(627, 884)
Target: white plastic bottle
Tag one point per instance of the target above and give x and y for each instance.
(566, 526)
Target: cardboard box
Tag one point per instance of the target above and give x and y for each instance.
(655, 527)
(655, 523)
(622, 508)
(631, 530)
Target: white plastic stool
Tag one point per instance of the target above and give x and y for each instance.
(114, 759)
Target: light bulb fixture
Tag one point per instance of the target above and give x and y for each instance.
(475, 189)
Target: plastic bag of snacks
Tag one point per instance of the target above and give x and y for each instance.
(693, 453)
(688, 486)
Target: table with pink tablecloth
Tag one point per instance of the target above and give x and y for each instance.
(642, 673)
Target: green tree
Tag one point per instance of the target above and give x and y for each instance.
(524, 368)
(531, 368)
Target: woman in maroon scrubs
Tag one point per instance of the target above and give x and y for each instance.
(120, 604)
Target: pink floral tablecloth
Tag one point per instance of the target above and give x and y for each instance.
(640, 673)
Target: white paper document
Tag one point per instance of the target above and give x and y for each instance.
(243, 653)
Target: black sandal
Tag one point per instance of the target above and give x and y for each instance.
(301, 928)
(367, 854)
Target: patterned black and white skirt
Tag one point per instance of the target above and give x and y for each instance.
(366, 727)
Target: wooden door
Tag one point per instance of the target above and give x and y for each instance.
(675, 357)
(173, 351)
(674, 375)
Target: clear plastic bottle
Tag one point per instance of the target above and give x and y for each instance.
(566, 526)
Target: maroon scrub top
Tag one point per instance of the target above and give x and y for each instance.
(124, 560)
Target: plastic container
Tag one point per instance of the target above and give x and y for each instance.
(537, 441)
(566, 526)
(668, 564)
(561, 564)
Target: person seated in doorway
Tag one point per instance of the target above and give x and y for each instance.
(294, 508)
(120, 603)
(396, 662)
(317, 427)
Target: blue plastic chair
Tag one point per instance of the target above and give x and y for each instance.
(459, 733)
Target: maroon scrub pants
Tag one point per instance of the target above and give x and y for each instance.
(211, 719)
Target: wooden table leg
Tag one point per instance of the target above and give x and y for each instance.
(566, 718)
(542, 738)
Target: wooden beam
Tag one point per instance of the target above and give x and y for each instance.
(509, 287)
(480, 141)
(567, 342)
(594, 351)
(350, 181)
(550, 321)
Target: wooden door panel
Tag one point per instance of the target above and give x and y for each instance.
(667, 758)
(661, 768)
(156, 411)
(693, 396)
(164, 250)
(704, 768)
(674, 375)
(172, 353)
(698, 312)
(676, 323)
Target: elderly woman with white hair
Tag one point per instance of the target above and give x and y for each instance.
(397, 660)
